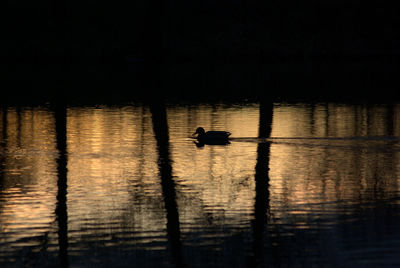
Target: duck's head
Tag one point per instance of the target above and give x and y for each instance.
(199, 131)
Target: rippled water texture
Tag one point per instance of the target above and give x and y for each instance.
(117, 186)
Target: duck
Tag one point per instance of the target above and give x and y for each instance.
(211, 137)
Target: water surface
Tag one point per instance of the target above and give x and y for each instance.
(299, 185)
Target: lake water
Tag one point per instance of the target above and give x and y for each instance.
(117, 186)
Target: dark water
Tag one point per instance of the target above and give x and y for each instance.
(299, 185)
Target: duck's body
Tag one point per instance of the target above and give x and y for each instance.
(212, 137)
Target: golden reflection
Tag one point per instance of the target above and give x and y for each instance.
(216, 181)
(322, 174)
(113, 166)
(114, 186)
(28, 178)
(112, 163)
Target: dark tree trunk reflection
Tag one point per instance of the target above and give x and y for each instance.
(61, 208)
(3, 143)
(261, 206)
(160, 128)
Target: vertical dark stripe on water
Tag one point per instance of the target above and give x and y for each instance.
(3, 143)
(265, 120)
(390, 120)
(261, 205)
(61, 207)
(19, 126)
(160, 128)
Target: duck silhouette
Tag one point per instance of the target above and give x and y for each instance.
(211, 137)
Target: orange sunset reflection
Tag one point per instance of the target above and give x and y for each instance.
(28, 176)
(307, 175)
(214, 180)
(321, 158)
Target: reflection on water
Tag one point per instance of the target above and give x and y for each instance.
(299, 185)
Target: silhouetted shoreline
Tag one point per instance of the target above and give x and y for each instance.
(201, 50)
